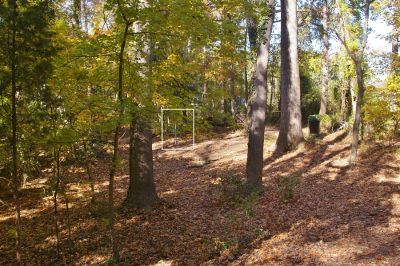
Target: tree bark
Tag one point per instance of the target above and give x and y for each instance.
(55, 194)
(325, 61)
(357, 114)
(358, 60)
(90, 176)
(290, 133)
(343, 104)
(271, 97)
(68, 217)
(353, 96)
(14, 139)
(142, 190)
(246, 82)
(232, 92)
(255, 152)
(114, 161)
(395, 48)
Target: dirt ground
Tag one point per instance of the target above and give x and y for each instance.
(314, 209)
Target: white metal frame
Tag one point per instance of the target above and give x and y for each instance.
(162, 129)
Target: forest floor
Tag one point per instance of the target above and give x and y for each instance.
(313, 210)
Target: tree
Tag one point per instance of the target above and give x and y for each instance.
(290, 133)
(356, 52)
(255, 152)
(120, 112)
(142, 191)
(14, 121)
(325, 58)
(27, 53)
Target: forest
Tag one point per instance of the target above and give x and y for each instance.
(199, 132)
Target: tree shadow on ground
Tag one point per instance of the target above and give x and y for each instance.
(334, 206)
(198, 223)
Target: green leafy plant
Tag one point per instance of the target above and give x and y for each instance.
(287, 185)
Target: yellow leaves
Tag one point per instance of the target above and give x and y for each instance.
(83, 117)
(381, 108)
(159, 100)
(393, 83)
(172, 59)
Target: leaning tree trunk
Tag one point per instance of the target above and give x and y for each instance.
(290, 133)
(325, 60)
(255, 152)
(114, 160)
(358, 60)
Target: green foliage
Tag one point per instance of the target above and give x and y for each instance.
(221, 245)
(382, 109)
(287, 186)
(326, 123)
(239, 195)
(310, 73)
(34, 51)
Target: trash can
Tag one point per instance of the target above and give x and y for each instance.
(313, 124)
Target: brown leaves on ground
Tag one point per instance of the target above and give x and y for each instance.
(314, 209)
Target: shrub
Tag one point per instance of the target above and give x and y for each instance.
(382, 109)
(326, 123)
(287, 186)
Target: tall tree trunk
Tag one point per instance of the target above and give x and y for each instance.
(14, 140)
(246, 82)
(255, 152)
(68, 217)
(76, 13)
(353, 96)
(343, 104)
(232, 92)
(142, 190)
(204, 92)
(205, 66)
(290, 133)
(114, 161)
(325, 60)
(271, 96)
(55, 194)
(358, 60)
(89, 173)
(357, 114)
(395, 48)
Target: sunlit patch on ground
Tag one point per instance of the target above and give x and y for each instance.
(327, 212)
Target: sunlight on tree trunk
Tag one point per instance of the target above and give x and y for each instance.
(290, 133)
(255, 151)
(142, 190)
(325, 59)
